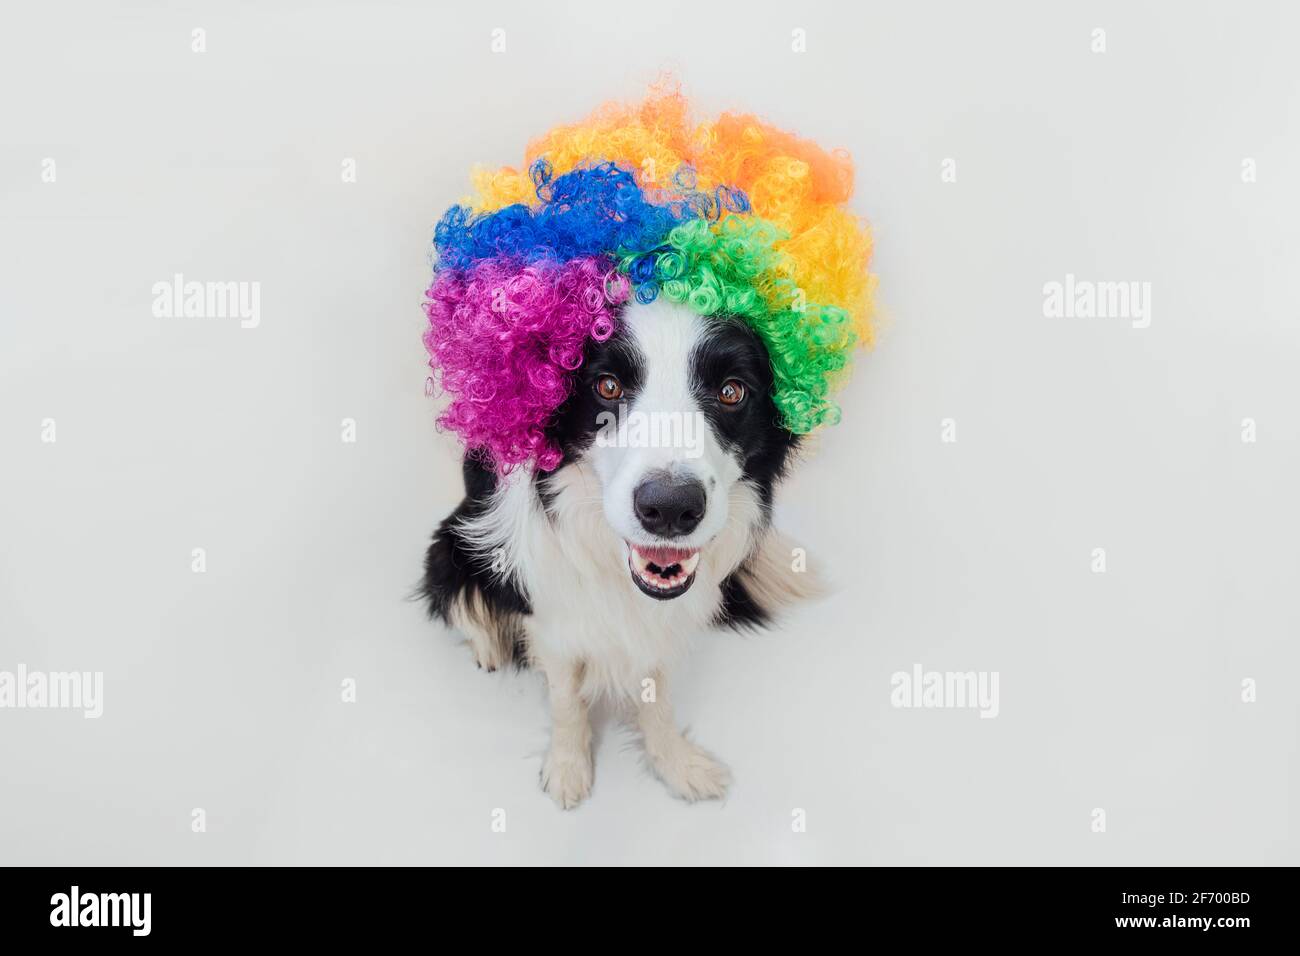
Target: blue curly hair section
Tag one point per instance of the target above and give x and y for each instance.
(597, 210)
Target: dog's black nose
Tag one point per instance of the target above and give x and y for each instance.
(669, 507)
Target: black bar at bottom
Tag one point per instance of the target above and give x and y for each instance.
(215, 905)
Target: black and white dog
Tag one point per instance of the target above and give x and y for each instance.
(599, 572)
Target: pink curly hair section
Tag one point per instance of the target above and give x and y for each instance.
(504, 338)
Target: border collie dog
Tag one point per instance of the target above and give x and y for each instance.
(599, 572)
(631, 365)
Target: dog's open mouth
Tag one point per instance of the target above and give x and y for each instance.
(663, 573)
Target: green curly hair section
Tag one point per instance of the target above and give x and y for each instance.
(734, 267)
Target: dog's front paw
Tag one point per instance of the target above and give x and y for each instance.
(692, 772)
(566, 776)
(488, 651)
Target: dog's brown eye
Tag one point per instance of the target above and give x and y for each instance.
(731, 393)
(609, 388)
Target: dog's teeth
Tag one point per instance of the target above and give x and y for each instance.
(651, 572)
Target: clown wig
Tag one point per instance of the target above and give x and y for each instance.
(731, 218)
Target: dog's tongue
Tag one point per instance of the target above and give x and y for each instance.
(665, 557)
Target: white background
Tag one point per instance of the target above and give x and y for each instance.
(1119, 691)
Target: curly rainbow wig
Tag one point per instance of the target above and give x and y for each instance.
(730, 218)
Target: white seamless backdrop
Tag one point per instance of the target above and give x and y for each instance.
(1120, 691)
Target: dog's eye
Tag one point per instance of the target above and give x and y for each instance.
(731, 393)
(609, 388)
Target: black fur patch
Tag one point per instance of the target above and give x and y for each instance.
(453, 572)
(753, 428)
(738, 610)
(576, 423)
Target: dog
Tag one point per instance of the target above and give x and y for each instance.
(598, 573)
(632, 369)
